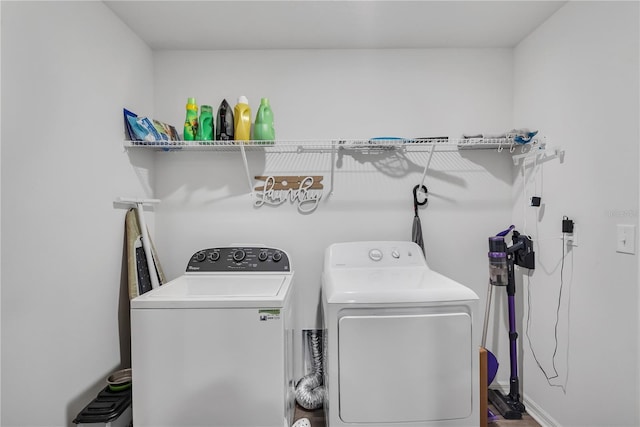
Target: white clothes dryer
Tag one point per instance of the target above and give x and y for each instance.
(214, 346)
(401, 342)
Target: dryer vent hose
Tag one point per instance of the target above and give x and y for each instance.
(309, 391)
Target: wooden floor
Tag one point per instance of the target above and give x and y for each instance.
(526, 420)
(317, 418)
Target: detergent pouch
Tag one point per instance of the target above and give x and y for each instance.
(141, 128)
(167, 132)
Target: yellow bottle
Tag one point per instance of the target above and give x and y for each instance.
(242, 117)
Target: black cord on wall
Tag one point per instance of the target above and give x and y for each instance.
(555, 348)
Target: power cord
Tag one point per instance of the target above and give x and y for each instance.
(549, 378)
(557, 322)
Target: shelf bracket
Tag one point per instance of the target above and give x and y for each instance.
(540, 151)
(426, 166)
(246, 168)
(334, 152)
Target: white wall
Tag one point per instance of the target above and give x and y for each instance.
(68, 68)
(62, 239)
(340, 94)
(576, 78)
(0, 228)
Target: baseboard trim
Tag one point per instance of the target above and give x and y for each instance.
(533, 409)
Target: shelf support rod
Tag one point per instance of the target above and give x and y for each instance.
(246, 168)
(334, 151)
(426, 166)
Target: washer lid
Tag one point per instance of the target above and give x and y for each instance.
(218, 290)
(392, 285)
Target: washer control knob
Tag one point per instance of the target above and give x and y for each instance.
(239, 255)
(214, 256)
(277, 256)
(263, 255)
(395, 254)
(375, 254)
(200, 256)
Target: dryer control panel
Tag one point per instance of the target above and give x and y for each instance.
(378, 254)
(239, 259)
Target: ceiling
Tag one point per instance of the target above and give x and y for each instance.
(308, 24)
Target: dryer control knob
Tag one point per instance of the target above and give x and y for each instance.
(277, 256)
(395, 254)
(200, 256)
(375, 254)
(263, 255)
(214, 256)
(239, 255)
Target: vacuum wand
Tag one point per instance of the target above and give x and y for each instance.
(502, 261)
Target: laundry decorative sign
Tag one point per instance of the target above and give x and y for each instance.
(304, 191)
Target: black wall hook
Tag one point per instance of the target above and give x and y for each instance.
(416, 203)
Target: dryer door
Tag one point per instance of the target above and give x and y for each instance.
(405, 368)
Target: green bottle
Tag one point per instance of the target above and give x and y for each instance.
(191, 122)
(263, 129)
(205, 126)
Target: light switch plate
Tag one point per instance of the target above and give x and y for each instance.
(626, 238)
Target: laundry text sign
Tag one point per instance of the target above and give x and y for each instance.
(304, 191)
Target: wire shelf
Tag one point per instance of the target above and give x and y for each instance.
(519, 152)
(421, 144)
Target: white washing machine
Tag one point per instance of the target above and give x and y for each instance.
(214, 346)
(401, 341)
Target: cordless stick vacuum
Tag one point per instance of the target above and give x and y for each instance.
(502, 260)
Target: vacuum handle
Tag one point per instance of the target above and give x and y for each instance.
(503, 233)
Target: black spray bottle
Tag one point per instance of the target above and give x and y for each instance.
(224, 122)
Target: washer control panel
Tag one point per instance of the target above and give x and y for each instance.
(236, 258)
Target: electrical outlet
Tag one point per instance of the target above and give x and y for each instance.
(572, 238)
(626, 238)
